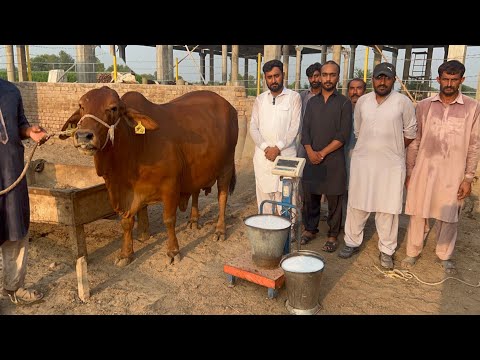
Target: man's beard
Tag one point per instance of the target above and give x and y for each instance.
(275, 87)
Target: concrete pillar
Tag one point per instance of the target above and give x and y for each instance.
(324, 54)
(457, 52)
(162, 63)
(21, 63)
(394, 57)
(377, 58)
(428, 67)
(224, 63)
(211, 57)
(235, 65)
(10, 63)
(245, 73)
(286, 60)
(351, 70)
(298, 66)
(171, 64)
(337, 53)
(406, 63)
(202, 65)
(345, 72)
(271, 52)
(85, 59)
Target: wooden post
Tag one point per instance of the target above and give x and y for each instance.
(77, 235)
(82, 279)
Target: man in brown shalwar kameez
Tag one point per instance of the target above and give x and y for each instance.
(441, 164)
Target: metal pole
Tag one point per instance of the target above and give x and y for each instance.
(259, 65)
(365, 65)
(112, 51)
(176, 69)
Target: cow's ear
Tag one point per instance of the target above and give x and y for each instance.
(147, 122)
(70, 124)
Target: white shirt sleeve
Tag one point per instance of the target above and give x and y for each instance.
(255, 126)
(409, 120)
(357, 119)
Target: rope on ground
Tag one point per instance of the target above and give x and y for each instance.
(407, 275)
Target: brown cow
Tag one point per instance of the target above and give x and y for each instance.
(189, 144)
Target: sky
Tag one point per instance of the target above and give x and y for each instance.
(142, 59)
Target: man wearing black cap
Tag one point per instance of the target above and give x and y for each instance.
(384, 124)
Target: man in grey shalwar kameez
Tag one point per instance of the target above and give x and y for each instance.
(14, 205)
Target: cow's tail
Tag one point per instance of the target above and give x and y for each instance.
(233, 181)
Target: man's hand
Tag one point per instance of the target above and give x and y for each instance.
(271, 152)
(315, 157)
(407, 181)
(464, 190)
(37, 134)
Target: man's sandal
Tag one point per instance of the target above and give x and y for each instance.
(307, 236)
(330, 246)
(23, 296)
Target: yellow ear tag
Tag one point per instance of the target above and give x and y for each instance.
(139, 129)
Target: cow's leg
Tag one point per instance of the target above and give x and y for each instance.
(222, 186)
(193, 222)
(169, 219)
(143, 233)
(126, 254)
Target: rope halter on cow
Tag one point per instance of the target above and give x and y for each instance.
(111, 128)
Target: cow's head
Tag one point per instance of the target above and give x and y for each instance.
(99, 112)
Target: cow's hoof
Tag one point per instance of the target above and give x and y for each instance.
(172, 260)
(193, 224)
(218, 236)
(122, 262)
(143, 237)
(177, 258)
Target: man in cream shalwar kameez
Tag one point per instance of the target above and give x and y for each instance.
(441, 164)
(384, 123)
(274, 127)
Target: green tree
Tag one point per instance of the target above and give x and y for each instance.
(469, 91)
(358, 73)
(120, 68)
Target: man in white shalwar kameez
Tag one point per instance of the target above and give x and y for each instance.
(274, 127)
(384, 124)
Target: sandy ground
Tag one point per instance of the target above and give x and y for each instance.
(198, 285)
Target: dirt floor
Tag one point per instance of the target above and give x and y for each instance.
(198, 285)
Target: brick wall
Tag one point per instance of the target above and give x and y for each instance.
(51, 104)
